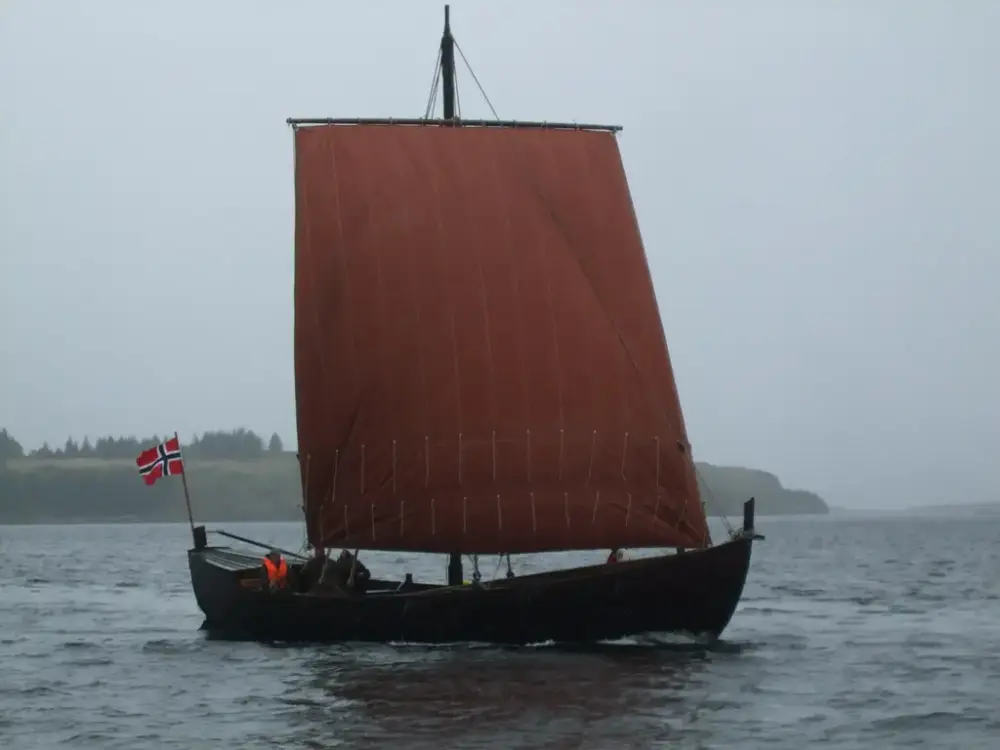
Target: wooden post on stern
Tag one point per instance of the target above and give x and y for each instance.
(199, 539)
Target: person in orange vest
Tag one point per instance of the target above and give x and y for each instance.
(276, 569)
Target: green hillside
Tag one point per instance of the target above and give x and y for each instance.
(54, 487)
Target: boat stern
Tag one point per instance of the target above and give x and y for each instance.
(219, 575)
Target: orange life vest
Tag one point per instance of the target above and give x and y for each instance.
(276, 574)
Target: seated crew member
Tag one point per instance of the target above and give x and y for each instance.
(312, 571)
(275, 570)
(338, 572)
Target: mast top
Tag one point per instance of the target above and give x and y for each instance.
(448, 93)
(446, 76)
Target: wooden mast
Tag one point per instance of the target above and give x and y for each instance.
(448, 67)
(448, 104)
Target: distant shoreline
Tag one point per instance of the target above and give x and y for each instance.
(36, 490)
(986, 508)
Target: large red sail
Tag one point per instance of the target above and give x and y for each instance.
(480, 362)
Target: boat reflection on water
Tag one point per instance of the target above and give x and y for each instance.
(467, 696)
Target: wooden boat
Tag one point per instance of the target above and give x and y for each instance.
(480, 369)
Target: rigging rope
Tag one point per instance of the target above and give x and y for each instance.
(476, 80)
(722, 514)
(500, 559)
(435, 81)
(305, 530)
(497, 570)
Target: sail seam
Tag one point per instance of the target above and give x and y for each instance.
(413, 275)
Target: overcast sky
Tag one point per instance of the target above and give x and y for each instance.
(814, 181)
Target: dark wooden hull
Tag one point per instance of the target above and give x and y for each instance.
(693, 592)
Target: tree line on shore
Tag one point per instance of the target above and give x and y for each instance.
(228, 483)
(235, 445)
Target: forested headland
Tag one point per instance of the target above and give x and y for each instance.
(237, 475)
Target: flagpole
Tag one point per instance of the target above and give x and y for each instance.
(184, 480)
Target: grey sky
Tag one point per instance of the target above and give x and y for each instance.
(813, 181)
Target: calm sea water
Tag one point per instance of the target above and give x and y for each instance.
(880, 632)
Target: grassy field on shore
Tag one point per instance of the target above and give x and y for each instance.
(59, 490)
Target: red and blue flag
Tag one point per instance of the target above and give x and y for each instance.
(161, 461)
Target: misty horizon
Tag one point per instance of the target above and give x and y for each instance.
(813, 184)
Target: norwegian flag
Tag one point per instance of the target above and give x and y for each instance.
(161, 461)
